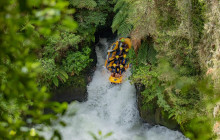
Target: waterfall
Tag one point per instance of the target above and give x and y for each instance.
(109, 108)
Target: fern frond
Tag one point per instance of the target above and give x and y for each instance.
(119, 5)
(124, 29)
(118, 20)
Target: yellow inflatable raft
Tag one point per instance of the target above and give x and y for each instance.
(111, 56)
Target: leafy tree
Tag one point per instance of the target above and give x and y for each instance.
(24, 27)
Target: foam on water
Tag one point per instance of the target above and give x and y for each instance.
(110, 108)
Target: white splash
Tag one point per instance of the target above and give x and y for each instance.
(110, 108)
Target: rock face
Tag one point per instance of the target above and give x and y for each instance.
(153, 114)
(69, 94)
(74, 91)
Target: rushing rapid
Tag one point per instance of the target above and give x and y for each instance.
(109, 108)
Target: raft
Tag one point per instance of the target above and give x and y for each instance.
(112, 52)
(118, 80)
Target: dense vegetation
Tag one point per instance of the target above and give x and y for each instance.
(69, 53)
(23, 29)
(177, 62)
(45, 44)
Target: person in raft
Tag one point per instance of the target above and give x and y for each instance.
(117, 60)
(114, 70)
(124, 45)
(124, 60)
(125, 51)
(120, 51)
(121, 70)
(121, 42)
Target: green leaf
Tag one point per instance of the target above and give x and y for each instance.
(100, 132)
(62, 78)
(56, 135)
(93, 136)
(64, 74)
(62, 123)
(108, 134)
(55, 81)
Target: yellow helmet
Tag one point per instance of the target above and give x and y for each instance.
(127, 50)
(121, 66)
(114, 65)
(122, 40)
(124, 55)
(121, 48)
(117, 56)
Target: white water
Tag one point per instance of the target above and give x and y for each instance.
(110, 108)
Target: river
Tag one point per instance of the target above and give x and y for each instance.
(109, 108)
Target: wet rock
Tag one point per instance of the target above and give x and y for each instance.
(151, 113)
(69, 94)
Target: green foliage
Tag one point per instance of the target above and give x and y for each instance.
(100, 136)
(89, 4)
(48, 66)
(50, 73)
(184, 98)
(146, 55)
(209, 45)
(76, 62)
(67, 53)
(120, 23)
(77, 81)
(136, 18)
(177, 43)
(53, 54)
(174, 76)
(90, 19)
(200, 129)
(24, 27)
